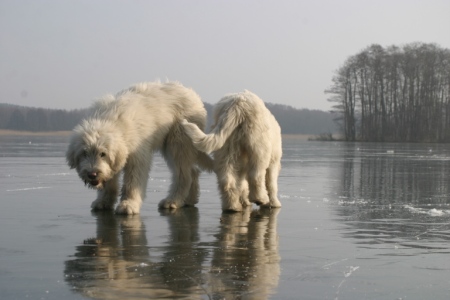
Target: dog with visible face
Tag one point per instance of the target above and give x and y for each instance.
(121, 135)
(246, 145)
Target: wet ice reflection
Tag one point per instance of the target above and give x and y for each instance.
(242, 260)
(397, 200)
(246, 260)
(359, 221)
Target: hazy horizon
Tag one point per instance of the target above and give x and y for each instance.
(87, 107)
(64, 54)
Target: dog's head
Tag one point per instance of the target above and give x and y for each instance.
(97, 151)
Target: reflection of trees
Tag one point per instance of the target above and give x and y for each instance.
(116, 263)
(409, 174)
(388, 195)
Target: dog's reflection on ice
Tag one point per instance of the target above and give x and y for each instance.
(245, 265)
(241, 261)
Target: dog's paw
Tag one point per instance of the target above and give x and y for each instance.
(260, 200)
(275, 203)
(262, 203)
(101, 204)
(169, 204)
(244, 201)
(272, 204)
(235, 207)
(128, 207)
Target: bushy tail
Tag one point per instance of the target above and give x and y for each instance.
(214, 141)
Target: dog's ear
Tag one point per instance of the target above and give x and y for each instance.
(72, 153)
(118, 154)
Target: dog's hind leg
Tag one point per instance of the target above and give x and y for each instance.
(181, 157)
(272, 184)
(242, 182)
(230, 192)
(194, 191)
(180, 187)
(257, 186)
(243, 192)
(107, 197)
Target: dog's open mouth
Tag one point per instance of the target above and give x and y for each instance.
(92, 183)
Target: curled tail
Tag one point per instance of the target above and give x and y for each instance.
(216, 139)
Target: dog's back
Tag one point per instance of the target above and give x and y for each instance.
(169, 101)
(239, 119)
(244, 110)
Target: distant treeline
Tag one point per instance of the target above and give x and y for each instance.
(303, 121)
(399, 94)
(23, 118)
(292, 120)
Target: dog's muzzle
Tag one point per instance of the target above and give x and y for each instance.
(93, 179)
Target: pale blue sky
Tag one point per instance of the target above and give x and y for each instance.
(65, 53)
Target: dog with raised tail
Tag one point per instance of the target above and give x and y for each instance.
(246, 144)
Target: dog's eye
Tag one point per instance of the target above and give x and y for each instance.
(84, 153)
(103, 154)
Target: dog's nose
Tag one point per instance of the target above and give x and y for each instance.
(92, 175)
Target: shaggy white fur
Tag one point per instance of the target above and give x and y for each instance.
(122, 133)
(246, 144)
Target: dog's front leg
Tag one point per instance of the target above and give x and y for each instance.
(135, 179)
(107, 196)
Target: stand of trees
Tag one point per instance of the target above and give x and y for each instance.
(303, 121)
(292, 120)
(394, 94)
(22, 118)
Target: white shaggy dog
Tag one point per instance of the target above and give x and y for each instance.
(125, 130)
(246, 144)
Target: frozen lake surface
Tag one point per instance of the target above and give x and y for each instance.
(359, 221)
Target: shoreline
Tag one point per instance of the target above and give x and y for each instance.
(301, 137)
(6, 132)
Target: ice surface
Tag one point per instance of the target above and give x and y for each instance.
(355, 224)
